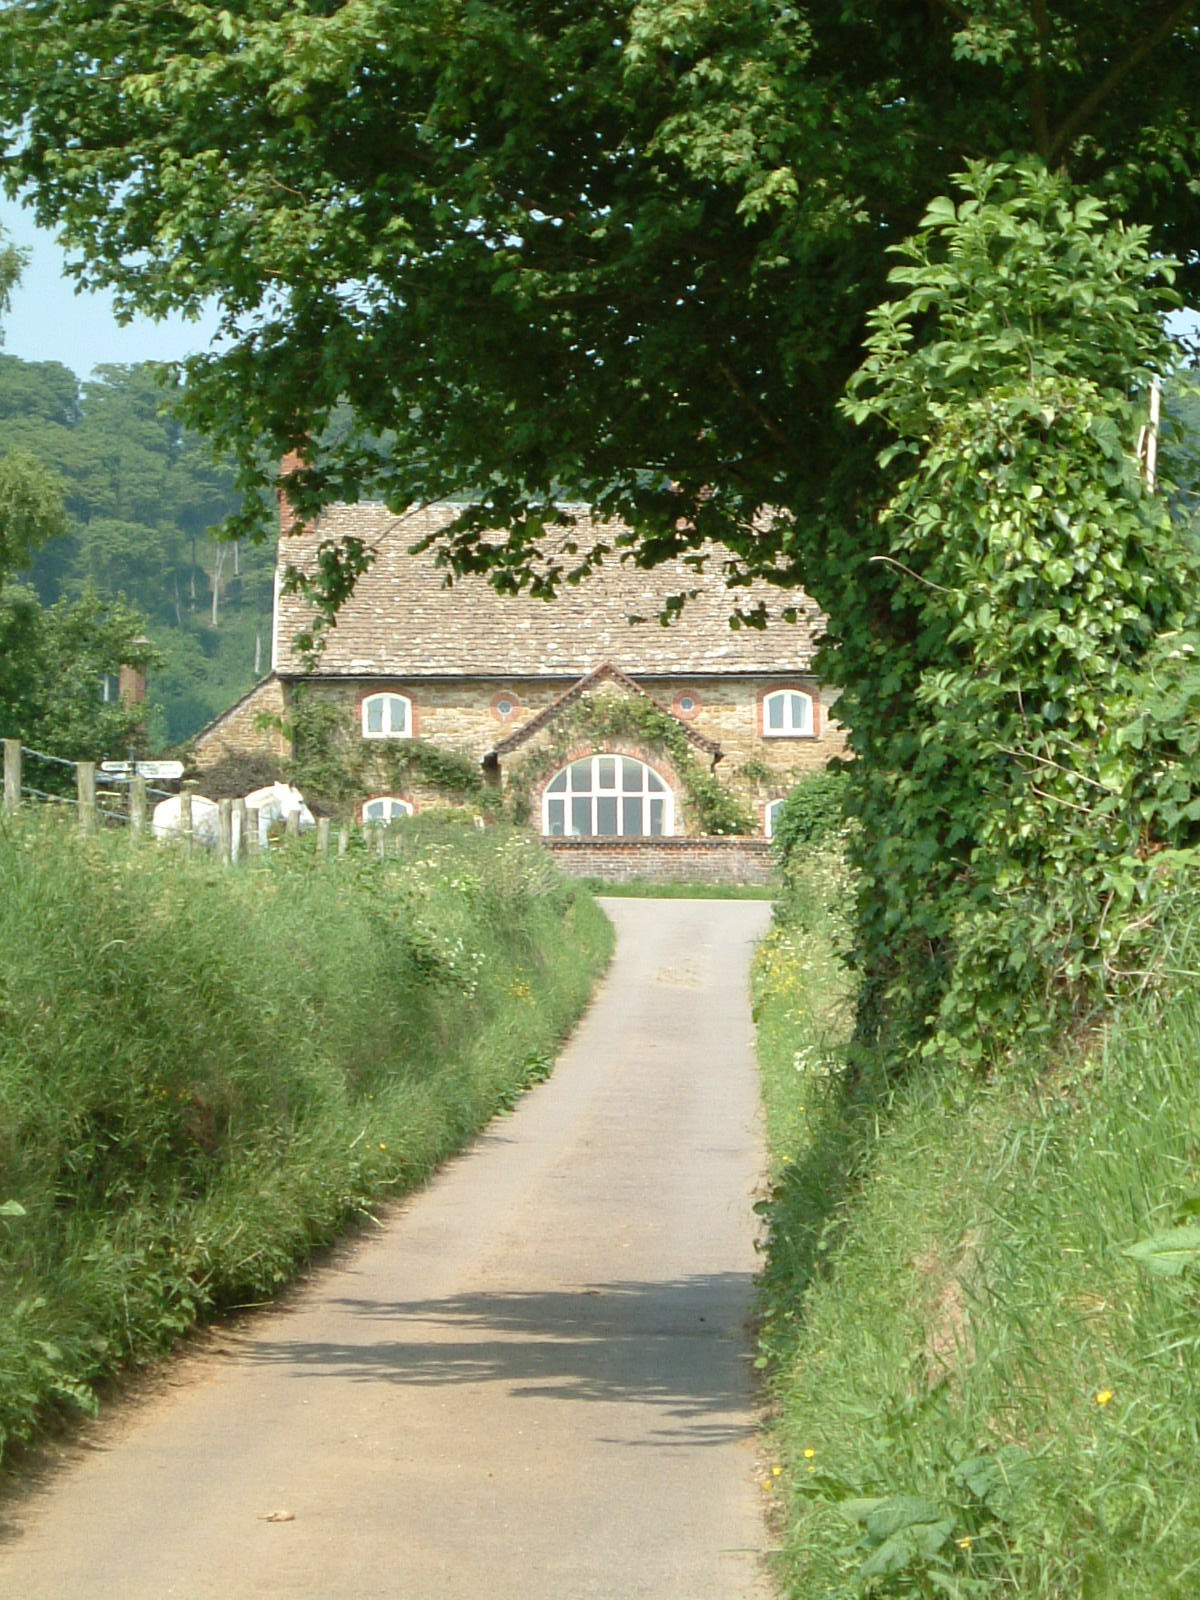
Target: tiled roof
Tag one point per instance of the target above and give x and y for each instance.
(605, 673)
(404, 622)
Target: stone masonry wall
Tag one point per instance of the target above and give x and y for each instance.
(715, 861)
(239, 733)
(465, 715)
(471, 716)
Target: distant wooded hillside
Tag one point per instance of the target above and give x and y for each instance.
(142, 497)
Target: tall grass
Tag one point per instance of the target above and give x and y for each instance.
(205, 1074)
(979, 1393)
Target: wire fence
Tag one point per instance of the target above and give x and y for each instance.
(122, 798)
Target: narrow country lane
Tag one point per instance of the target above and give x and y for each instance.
(533, 1383)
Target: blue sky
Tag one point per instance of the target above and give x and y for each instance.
(48, 321)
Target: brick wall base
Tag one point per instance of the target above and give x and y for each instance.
(716, 861)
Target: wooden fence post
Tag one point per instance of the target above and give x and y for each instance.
(186, 792)
(12, 774)
(343, 840)
(85, 788)
(225, 831)
(238, 846)
(291, 826)
(137, 806)
(253, 836)
(323, 837)
(382, 842)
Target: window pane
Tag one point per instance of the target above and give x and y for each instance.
(654, 782)
(775, 713)
(632, 822)
(631, 776)
(656, 818)
(606, 816)
(373, 811)
(581, 815)
(375, 716)
(799, 720)
(398, 718)
(557, 785)
(581, 776)
(556, 818)
(606, 772)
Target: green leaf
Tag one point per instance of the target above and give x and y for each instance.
(1168, 1252)
(900, 1511)
(860, 1510)
(12, 1208)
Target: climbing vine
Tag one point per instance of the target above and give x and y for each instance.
(1024, 580)
(594, 719)
(334, 767)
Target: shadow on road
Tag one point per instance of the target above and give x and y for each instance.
(679, 1345)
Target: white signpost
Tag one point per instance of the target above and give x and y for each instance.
(164, 771)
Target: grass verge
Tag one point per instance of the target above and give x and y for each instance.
(205, 1074)
(978, 1392)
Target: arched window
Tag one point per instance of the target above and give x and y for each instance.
(770, 816)
(385, 808)
(607, 797)
(787, 714)
(387, 716)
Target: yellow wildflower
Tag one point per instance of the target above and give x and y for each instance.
(1103, 1396)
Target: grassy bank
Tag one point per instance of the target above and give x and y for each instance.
(206, 1074)
(979, 1393)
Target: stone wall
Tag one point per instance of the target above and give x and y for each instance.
(473, 715)
(239, 734)
(715, 861)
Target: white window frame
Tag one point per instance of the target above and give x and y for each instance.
(392, 806)
(387, 730)
(789, 730)
(770, 812)
(596, 791)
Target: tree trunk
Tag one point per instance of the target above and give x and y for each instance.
(216, 583)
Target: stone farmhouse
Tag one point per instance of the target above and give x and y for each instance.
(567, 713)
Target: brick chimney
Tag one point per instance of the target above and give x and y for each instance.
(292, 462)
(131, 680)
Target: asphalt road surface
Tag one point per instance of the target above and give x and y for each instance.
(533, 1382)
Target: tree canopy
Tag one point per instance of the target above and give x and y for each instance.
(622, 252)
(139, 496)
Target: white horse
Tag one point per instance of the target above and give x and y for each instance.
(165, 822)
(276, 803)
